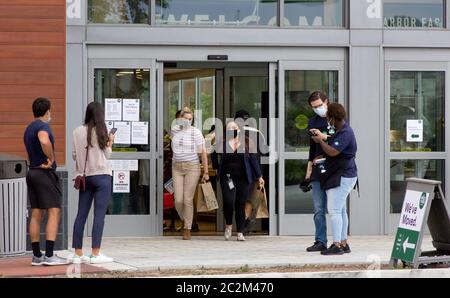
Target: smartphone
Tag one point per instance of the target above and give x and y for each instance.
(113, 131)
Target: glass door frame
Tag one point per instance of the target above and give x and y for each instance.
(298, 224)
(392, 219)
(133, 225)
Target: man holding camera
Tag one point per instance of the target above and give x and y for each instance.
(319, 103)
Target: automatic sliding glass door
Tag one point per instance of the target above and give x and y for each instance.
(297, 80)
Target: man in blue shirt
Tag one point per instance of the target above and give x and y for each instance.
(319, 103)
(44, 190)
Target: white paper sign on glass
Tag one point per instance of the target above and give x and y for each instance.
(121, 181)
(123, 134)
(139, 133)
(123, 165)
(414, 131)
(113, 109)
(130, 109)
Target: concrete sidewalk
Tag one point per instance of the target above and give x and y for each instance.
(172, 253)
(259, 256)
(405, 273)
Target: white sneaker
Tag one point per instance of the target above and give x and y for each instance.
(240, 237)
(227, 233)
(101, 259)
(76, 259)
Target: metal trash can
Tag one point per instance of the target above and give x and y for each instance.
(13, 205)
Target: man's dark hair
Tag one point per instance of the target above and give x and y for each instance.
(242, 114)
(178, 114)
(316, 95)
(40, 106)
(336, 111)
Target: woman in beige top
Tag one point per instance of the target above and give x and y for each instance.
(92, 139)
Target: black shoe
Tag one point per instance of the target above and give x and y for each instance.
(347, 249)
(333, 250)
(318, 246)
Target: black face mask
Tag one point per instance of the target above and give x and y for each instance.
(232, 133)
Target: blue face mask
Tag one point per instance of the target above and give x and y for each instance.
(321, 111)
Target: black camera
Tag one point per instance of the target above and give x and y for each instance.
(306, 186)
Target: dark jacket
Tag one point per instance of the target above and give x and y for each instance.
(251, 163)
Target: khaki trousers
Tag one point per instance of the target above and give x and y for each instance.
(185, 176)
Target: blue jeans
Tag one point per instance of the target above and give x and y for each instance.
(98, 189)
(320, 209)
(337, 208)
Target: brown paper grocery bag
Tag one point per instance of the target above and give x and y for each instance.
(200, 199)
(262, 210)
(208, 197)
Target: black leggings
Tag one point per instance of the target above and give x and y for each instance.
(234, 200)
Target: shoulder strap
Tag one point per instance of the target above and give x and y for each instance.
(357, 188)
(85, 162)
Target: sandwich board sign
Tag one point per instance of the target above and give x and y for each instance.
(424, 204)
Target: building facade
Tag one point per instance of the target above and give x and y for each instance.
(386, 61)
(33, 64)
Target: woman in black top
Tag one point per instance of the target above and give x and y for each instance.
(238, 170)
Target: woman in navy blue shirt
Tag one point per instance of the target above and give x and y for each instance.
(340, 174)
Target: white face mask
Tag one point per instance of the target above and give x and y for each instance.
(186, 123)
(49, 120)
(321, 111)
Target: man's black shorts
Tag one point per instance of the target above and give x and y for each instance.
(44, 189)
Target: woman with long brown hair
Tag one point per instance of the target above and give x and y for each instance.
(92, 146)
(238, 170)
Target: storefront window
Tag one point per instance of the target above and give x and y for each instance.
(207, 101)
(136, 200)
(296, 201)
(417, 103)
(314, 13)
(126, 94)
(194, 89)
(299, 86)
(414, 14)
(118, 11)
(403, 169)
(247, 93)
(216, 12)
